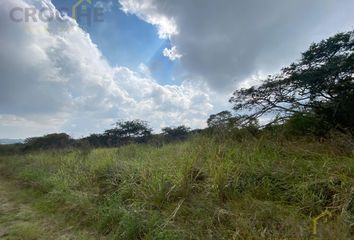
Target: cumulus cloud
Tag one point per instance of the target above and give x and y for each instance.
(54, 78)
(172, 53)
(146, 10)
(225, 42)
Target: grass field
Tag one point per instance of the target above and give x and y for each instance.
(235, 187)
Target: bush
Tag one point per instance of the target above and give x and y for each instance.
(304, 124)
(50, 141)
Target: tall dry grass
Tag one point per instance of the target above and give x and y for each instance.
(233, 186)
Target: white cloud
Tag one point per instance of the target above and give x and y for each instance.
(54, 78)
(23, 127)
(172, 53)
(252, 80)
(144, 70)
(225, 42)
(146, 10)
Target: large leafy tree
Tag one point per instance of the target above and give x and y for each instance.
(128, 131)
(321, 83)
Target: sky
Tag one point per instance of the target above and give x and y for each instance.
(163, 61)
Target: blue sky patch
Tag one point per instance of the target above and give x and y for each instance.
(125, 40)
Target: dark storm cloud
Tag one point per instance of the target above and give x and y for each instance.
(226, 41)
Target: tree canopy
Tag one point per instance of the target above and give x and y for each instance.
(50, 141)
(176, 133)
(320, 83)
(130, 129)
(220, 120)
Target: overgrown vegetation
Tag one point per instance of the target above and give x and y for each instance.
(244, 186)
(291, 179)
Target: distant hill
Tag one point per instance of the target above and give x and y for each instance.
(10, 141)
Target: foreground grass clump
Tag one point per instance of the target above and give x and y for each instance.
(206, 188)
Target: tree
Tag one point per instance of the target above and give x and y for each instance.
(50, 141)
(128, 130)
(222, 119)
(96, 140)
(321, 83)
(177, 133)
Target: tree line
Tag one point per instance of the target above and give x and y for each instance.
(123, 132)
